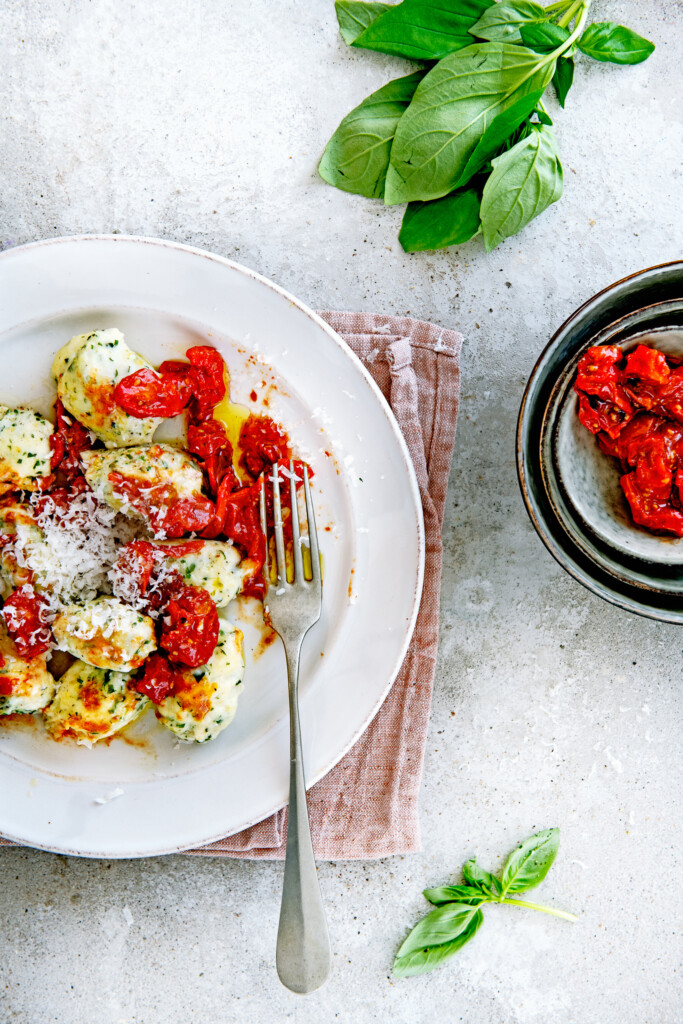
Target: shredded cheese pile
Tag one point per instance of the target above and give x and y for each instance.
(78, 546)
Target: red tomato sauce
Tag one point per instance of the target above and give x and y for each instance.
(634, 405)
(25, 614)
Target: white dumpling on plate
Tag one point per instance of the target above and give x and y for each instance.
(92, 704)
(25, 683)
(25, 451)
(86, 370)
(206, 700)
(106, 633)
(215, 566)
(149, 477)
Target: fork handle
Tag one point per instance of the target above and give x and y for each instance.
(303, 945)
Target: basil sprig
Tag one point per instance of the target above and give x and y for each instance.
(462, 141)
(458, 914)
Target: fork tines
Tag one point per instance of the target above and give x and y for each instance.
(278, 530)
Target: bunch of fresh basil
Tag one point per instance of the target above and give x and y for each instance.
(458, 915)
(465, 141)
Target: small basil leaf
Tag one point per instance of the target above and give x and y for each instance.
(543, 117)
(451, 220)
(530, 862)
(357, 156)
(479, 877)
(436, 937)
(441, 129)
(607, 41)
(501, 23)
(523, 183)
(543, 38)
(498, 131)
(468, 894)
(354, 16)
(563, 78)
(423, 29)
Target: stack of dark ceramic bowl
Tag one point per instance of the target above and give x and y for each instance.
(571, 488)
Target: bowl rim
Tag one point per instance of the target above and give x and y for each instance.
(629, 602)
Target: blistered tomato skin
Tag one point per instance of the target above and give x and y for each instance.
(190, 626)
(635, 407)
(147, 393)
(159, 678)
(262, 443)
(25, 613)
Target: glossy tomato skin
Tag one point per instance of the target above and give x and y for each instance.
(159, 678)
(69, 439)
(635, 407)
(147, 393)
(26, 614)
(190, 627)
(262, 442)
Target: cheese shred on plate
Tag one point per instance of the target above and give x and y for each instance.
(78, 545)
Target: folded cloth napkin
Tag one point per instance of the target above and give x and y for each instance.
(367, 806)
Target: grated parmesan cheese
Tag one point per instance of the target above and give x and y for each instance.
(78, 545)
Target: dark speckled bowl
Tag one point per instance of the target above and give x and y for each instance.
(571, 488)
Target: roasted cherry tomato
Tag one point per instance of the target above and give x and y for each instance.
(159, 678)
(262, 442)
(599, 374)
(26, 618)
(136, 561)
(190, 627)
(208, 380)
(148, 393)
(645, 432)
(68, 441)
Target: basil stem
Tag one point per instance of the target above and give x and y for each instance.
(564, 914)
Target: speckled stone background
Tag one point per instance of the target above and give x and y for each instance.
(202, 121)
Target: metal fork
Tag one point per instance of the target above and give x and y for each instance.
(303, 945)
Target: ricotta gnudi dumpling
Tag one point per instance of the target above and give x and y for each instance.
(215, 567)
(106, 633)
(155, 475)
(86, 371)
(92, 703)
(24, 449)
(206, 700)
(23, 537)
(25, 684)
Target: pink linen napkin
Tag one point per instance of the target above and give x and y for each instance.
(367, 806)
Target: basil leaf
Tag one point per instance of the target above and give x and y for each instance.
(530, 862)
(354, 16)
(501, 23)
(563, 78)
(468, 894)
(357, 156)
(498, 132)
(450, 220)
(607, 41)
(543, 38)
(436, 937)
(479, 877)
(448, 116)
(423, 29)
(524, 182)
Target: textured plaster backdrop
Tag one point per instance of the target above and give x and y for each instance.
(202, 121)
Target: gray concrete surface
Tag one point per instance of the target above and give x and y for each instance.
(202, 121)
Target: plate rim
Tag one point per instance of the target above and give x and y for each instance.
(416, 503)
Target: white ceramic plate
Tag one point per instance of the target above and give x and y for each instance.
(151, 794)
